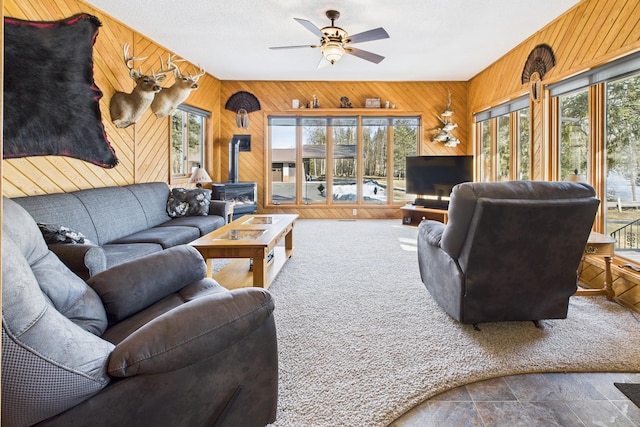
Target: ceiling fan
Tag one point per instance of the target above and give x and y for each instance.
(335, 42)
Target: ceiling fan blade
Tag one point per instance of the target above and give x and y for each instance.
(369, 56)
(323, 63)
(367, 36)
(294, 47)
(310, 26)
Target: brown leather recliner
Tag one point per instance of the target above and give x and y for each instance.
(510, 250)
(148, 342)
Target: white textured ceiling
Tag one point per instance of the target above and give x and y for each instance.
(430, 40)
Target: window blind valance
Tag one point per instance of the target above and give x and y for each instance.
(617, 69)
(502, 109)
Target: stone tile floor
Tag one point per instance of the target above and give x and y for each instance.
(549, 399)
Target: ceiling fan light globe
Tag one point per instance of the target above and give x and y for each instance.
(332, 52)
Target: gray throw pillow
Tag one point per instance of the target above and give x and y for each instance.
(60, 234)
(188, 202)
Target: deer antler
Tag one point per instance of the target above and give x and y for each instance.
(200, 74)
(171, 66)
(135, 74)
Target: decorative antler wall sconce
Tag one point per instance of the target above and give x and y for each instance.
(242, 103)
(540, 61)
(444, 134)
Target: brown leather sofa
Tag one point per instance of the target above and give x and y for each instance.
(510, 250)
(149, 342)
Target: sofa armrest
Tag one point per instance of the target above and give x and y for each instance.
(192, 332)
(130, 287)
(83, 260)
(220, 208)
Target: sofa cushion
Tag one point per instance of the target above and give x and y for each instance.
(153, 199)
(208, 324)
(115, 211)
(188, 202)
(62, 208)
(125, 289)
(123, 329)
(167, 237)
(206, 224)
(69, 294)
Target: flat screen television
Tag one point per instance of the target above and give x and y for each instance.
(432, 178)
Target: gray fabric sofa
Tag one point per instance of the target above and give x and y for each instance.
(121, 223)
(149, 342)
(510, 250)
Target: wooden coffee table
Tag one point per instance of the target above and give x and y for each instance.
(255, 237)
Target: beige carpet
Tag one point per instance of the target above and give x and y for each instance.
(361, 341)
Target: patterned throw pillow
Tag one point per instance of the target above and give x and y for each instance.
(192, 202)
(61, 234)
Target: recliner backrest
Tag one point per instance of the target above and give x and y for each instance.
(465, 197)
(52, 354)
(526, 241)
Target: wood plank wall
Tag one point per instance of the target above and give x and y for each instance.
(590, 34)
(142, 149)
(426, 99)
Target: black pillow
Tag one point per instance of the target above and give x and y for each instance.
(192, 202)
(61, 234)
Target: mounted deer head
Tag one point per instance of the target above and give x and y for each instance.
(168, 100)
(127, 108)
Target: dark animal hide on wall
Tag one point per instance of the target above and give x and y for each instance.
(50, 98)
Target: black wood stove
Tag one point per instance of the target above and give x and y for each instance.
(243, 195)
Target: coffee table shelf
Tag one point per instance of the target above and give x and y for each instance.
(239, 274)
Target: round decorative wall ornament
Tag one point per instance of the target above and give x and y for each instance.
(539, 62)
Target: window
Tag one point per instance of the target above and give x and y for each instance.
(504, 143)
(486, 168)
(524, 144)
(187, 140)
(504, 147)
(605, 98)
(374, 152)
(344, 141)
(283, 134)
(405, 143)
(314, 158)
(343, 160)
(623, 164)
(574, 133)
